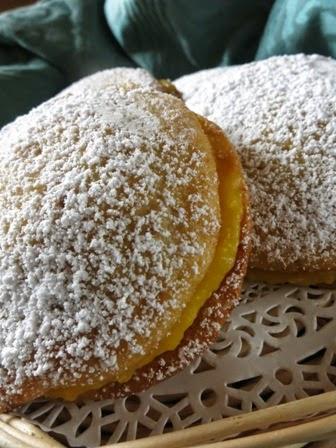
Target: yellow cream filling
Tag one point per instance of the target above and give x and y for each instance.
(231, 205)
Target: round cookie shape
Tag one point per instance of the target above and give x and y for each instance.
(280, 113)
(129, 78)
(110, 218)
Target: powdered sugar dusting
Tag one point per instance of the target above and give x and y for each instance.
(135, 77)
(108, 215)
(281, 115)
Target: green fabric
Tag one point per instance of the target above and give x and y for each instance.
(300, 26)
(45, 47)
(174, 37)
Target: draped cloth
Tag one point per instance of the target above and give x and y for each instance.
(45, 47)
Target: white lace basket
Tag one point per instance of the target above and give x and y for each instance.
(279, 346)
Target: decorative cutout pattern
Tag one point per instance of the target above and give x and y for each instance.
(280, 345)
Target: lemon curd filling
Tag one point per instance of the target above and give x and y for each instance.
(231, 206)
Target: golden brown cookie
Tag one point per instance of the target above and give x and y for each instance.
(124, 230)
(280, 114)
(129, 78)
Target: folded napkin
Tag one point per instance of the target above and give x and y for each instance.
(46, 46)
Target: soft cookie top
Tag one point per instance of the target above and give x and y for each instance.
(130, 78)
(281, 115)
(109, 219)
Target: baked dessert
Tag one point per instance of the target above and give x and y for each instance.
(127, 77)
(122, 249)
(280, 114)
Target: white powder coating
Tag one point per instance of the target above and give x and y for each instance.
(280, 114)
(108, 213)
(135, 77)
